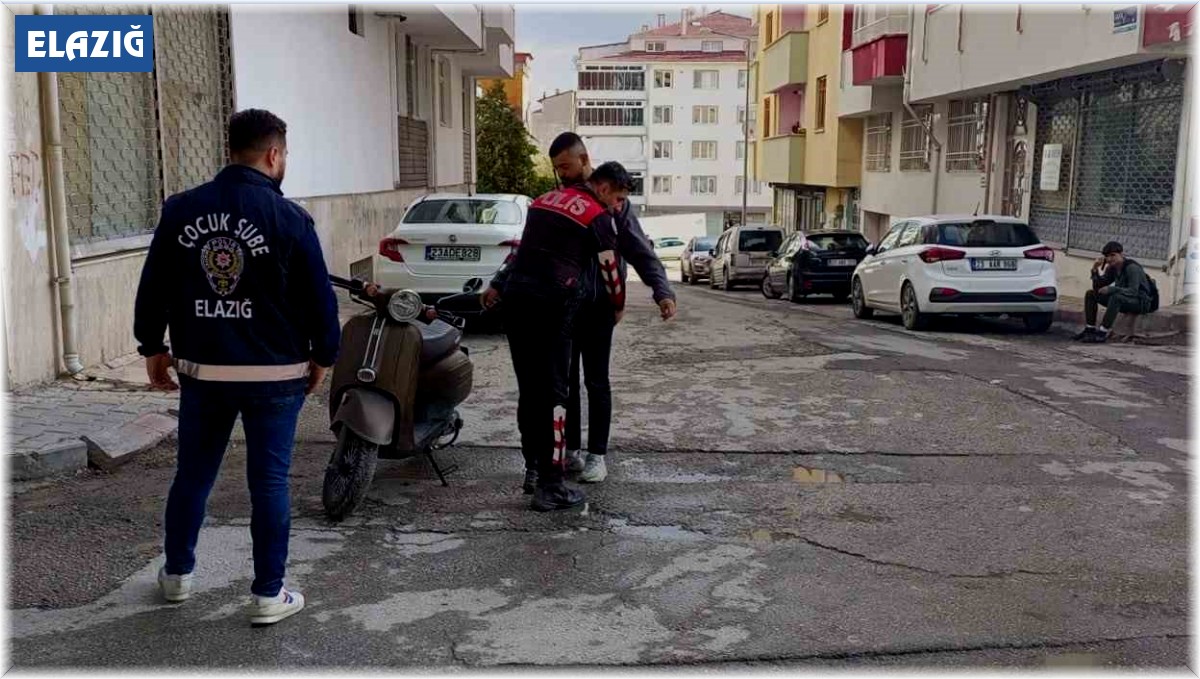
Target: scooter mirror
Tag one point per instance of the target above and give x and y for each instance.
(473, 285)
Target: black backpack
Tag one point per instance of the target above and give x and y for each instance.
(1153, 293)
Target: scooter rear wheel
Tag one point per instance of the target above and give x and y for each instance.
(349, 474)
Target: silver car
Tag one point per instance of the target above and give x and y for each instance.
(695, 262)
(742, 255)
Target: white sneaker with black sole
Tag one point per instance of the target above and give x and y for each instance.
(268, 610)
(174, 588)
(594, 470)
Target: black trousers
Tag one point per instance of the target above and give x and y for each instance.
(591, 350)
(539, 339)
(1114, 304)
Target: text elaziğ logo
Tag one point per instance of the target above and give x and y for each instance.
(92, 43)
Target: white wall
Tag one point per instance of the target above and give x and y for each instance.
(682, 226)
(449, 144)
(1056, 40)
(331, 86)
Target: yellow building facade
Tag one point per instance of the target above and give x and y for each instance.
(811, 158)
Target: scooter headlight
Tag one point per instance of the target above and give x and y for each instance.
(404, 306)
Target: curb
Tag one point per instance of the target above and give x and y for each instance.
(1160, 323)
(64, 457)
(106, 450)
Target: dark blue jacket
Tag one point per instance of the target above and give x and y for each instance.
(236, 271)
(635, 248)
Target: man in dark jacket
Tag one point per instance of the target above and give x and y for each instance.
(596, 321)
(543, 287)
(236, 272)
(1122, 287)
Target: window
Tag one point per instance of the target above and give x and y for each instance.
(740, 150)
(738, 182)
(704, 185)
(656, 47)
(613, 78)
(706, 80)
(443, 69)
(770, 27)
(664, 79)
(410, 76)
(822, 90)
(914, 141)
(890, 239)
(741, 115)
(663, 115)
(704, 150)
(768, 131)
(966, 135)
(464, 211)
(662, 184)
(822, 13)
(911, 235)
(743, 78)
(705, 115)
(879, 143)
(606, 113)
(357, 26)
(662, 150)
(986, 234)
(639, 184)
(712, 46)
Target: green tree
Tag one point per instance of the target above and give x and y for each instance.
(504, 151)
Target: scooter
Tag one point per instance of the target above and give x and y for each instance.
(396, 387)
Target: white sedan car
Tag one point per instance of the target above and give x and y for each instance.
(669, 248)
(444, 240)
(953, 264)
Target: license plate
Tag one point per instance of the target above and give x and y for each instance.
(843, 262)
(993, 265)
(452, 253)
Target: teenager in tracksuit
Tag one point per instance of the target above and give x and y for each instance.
(596, 321)
(543, 287)
(235, 271)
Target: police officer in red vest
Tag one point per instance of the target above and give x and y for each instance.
(543, 287)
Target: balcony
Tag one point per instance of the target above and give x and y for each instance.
(457, 27)
(782, 159)
(784, 62)
(889, 20)
(501, 19)
(881, 61)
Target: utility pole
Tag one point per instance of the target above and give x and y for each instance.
(750, 47)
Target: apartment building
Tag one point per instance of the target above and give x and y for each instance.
(1073, 117)
(379, 102)
(671, 104)
(809, 155)
(516, 87)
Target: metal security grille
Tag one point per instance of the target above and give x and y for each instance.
(131, 139)
(879, 143)
(1120, 137)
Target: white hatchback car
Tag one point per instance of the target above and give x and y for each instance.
(444, 240)
(954, 264)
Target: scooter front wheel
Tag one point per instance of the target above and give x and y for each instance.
(349, 474)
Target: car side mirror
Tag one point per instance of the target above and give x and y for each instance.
(473, 285)
(712, 253)
(872, 249)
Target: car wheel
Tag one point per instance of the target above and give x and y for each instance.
(1040, 322)
(693, 279)
(910, 309)
(858, 301)
(792, 295)
(726, 284)
(767, 290)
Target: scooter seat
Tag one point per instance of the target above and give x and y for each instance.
(438, 340)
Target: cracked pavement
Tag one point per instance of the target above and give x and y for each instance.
(788, 487)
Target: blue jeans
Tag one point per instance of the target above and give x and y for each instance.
(207, 412)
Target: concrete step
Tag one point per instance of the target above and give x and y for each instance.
(1169, 320)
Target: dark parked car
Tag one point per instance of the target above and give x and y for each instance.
(820, 262)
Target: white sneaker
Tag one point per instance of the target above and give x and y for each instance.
(575, 461)
(594, 471)
(174, 588)
(268, 610)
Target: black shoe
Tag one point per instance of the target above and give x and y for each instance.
(530, 483)
(1084, 334)
(1096, 337)
(557, 496)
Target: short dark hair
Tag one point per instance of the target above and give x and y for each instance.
(1112, 247)
(255, 130)
(613, 173)
(565, 141)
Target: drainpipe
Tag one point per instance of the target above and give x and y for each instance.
(59, 236)
(990, 158)
(937, 145)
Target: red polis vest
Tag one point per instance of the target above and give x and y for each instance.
(564, 229)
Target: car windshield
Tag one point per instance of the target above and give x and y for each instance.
(464, 211)
(985, 234)
(759, 241)
(837, 242)
(705, 244)
(669, 242)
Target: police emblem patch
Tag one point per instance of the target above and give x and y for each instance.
(223, 262)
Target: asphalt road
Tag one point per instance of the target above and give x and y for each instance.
(788, 487)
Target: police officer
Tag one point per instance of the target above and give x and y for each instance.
(236, 272)
(596, 321)
(543, 287)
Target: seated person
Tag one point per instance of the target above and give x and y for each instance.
(1121, 287)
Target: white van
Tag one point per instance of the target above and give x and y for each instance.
(742, 255)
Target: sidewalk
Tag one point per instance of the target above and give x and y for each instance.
(1167, 321)
(58, 428)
